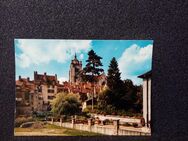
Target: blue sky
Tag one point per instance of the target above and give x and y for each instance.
(54, 56)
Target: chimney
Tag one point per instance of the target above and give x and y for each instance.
(28, 79)
(45, 78)
(20, 77)
(35, 75)
(56, 77)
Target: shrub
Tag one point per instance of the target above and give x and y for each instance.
(135, 125)
(38, 125)
(21, 120)
(86, 113)
(127, 124)
(107, 121)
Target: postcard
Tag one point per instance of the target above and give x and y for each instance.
(83, 87)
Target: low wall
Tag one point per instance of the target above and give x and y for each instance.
(121, 119)
(101, 129)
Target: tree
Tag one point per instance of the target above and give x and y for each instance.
(114, 76)
(103, 99)
(128, 100)
(92, 70)
(120, 95)
(139, 99)
(65, 104)
(92, 67)
(115, 84)
(83, 97)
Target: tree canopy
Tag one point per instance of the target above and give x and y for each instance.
(120, 95)
(65, 104)
(92, 68)
(114, 76)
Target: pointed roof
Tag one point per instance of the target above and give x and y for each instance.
(75, 57)
(146, 75)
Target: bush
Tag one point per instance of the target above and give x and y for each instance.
(127, 124)
(86, 110)
(38, 125)
(21, 120)
(107, 121)
(135, 125)
(86, 113)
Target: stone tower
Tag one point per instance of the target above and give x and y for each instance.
(75, 67)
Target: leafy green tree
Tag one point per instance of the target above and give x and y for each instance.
(129, 98)
(103, 99)
(65, 104)
(139, 99)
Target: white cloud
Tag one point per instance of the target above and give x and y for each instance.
(35, 51)
(62, 79)
(81, 57)
(135, 61)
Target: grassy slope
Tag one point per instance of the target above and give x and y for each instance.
(52, 130)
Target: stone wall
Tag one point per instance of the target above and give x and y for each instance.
(101, 129)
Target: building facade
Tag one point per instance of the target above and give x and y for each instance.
(147, 97)
(35, 95)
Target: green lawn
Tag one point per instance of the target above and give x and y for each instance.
(51, 130)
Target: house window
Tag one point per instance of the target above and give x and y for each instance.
(27, 96)
(50, 91)
(39, 88)
(50, 97)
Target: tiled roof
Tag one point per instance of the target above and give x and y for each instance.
(40, 77)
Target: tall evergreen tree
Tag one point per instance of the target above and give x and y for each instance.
(92, 68)
(114, 76)
(121, 95)
(115, 84)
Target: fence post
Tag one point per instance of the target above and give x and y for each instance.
(73, 122)
(89, 124)
(52, 120)
(116, 126)
(61, 120)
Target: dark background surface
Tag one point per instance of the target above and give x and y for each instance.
(163, 21)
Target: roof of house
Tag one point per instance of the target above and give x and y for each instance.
(24, 83)
(146, 75)
(41, 77)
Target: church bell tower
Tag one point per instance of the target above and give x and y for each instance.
(75, 67)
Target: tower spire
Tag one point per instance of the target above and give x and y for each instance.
(75, 57)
